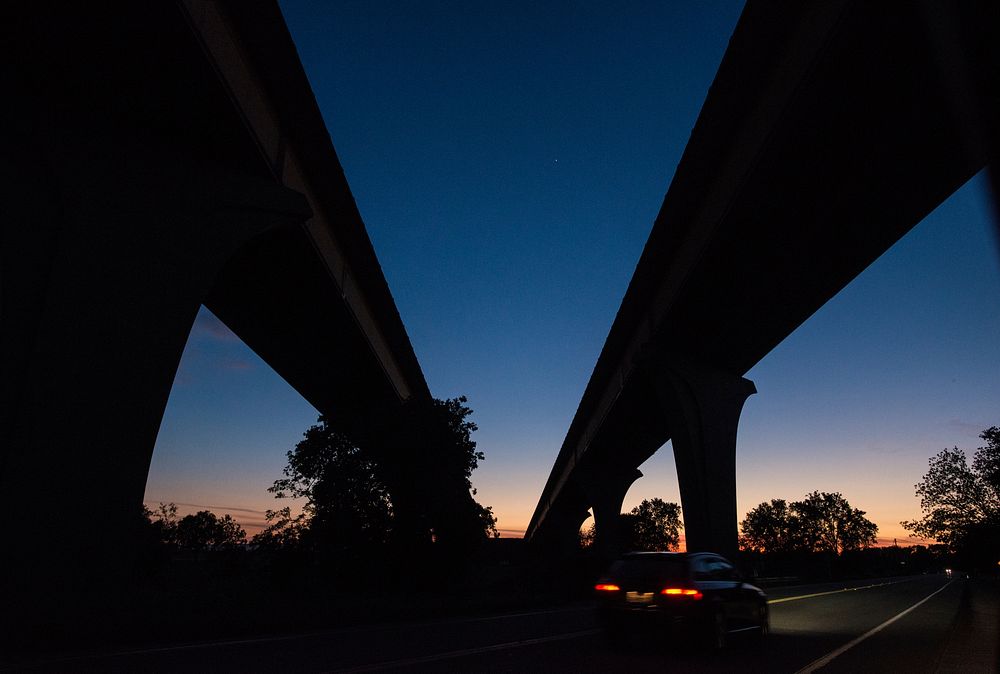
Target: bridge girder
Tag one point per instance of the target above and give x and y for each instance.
(829, 132)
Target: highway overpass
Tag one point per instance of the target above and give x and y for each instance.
(831, 129)
(160, 156)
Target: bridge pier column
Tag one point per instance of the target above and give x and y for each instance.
(606, 492)
(703, 405)
(560, 537)
(109, 248)
(562, 533)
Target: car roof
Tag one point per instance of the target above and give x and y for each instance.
(666, 558)
(668, 555)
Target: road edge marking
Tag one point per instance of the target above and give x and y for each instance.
(448, 655)
(844, 589)
(829, 657)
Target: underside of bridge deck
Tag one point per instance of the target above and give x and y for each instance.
(829, 132)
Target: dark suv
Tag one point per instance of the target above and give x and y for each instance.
(679, 593)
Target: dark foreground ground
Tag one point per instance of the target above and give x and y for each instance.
(914, 624)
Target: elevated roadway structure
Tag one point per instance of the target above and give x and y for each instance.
(830, 130)
(161, 156)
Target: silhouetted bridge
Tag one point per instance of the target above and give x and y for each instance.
(830, 130)
(159, 156)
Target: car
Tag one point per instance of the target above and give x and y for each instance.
(679, 594)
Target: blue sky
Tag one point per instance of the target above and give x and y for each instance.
(509, 162)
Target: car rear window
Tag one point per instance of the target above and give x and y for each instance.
(656, 570)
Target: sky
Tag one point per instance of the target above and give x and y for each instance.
(509, 161)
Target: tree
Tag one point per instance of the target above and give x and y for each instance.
(768, 528)
(162, 523)
(654, 524)
(347, 505)
(821, 522)
(827, 523)
(283, 531)
(156, 536)
(205, 529)
(194, 532)
(961, 503)
(404, 477)
(429, 456)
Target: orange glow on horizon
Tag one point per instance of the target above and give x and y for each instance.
(511, 533)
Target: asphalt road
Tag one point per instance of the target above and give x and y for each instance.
(903, 624)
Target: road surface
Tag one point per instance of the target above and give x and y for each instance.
(904, 624)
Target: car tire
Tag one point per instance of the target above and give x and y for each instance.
(718, 631)
(764, 621)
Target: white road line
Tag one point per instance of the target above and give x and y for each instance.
(826, 659)
(845, 589)
(391, 664)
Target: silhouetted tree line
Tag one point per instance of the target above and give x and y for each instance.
(869, 562)
(162, 532)
(403, 489)
(821, 522)
(408, 485)
(820, 536)
(961, 503)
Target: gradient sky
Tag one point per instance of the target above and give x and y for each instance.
(509, 163)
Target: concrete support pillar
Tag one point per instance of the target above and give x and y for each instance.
(109, 248)
(703, 405)
(561, 536)
(606, 491)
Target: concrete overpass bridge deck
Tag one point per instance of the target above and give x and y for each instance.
(157, 157)
(829, 132)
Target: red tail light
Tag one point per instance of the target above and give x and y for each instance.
(607, 587)
(682, 592)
